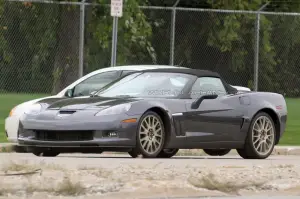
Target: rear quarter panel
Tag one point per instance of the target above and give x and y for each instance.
(254, 102)
(261, 100)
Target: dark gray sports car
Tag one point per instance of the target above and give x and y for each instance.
(154, 113)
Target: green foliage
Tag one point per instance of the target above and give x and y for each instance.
(27, 42)
(134, 33)
(236, 4)
(34, 52)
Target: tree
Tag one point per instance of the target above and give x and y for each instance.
(27, 45)
(39, 42)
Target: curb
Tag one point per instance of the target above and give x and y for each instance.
(278, 150)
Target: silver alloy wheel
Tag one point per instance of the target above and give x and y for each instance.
(150, 134)
(263, 135)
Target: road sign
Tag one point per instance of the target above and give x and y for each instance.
(116, 8)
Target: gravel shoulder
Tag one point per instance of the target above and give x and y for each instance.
(119, 176)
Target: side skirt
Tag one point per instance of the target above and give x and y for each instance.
(181, 142)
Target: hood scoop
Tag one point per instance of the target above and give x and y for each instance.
(66, 112)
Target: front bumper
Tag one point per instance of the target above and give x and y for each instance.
(101, 143)
(108, 131)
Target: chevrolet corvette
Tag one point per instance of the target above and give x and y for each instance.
(81, 87)
(156, 112)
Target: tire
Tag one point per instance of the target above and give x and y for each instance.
(19, 149)
(261, 135)
(216, 152)
(167, 153)
(134, 153)
(150, 129)
(46, 153)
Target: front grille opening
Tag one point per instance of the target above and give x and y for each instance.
(64, 135)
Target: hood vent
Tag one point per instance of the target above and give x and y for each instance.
(66, 112)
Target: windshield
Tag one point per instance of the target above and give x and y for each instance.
(149, 84)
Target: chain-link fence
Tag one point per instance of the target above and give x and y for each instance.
(41, 51)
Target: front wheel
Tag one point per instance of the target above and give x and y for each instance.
(19, 149)
(150, 135)
(260, 139)
(216, 152)
(167, 153)
(134, 153)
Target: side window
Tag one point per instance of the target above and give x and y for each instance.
(95, 83)
(207, 86)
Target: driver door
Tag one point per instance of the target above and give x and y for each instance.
(214, 120)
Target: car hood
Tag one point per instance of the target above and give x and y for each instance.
(84, 103)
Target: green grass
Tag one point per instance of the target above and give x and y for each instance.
(7, 102)
(291, 135)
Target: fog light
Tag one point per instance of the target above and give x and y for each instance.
(112, 134)
(109, 134)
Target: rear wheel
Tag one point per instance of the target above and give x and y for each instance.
(260, 139)
(150, 135)
(167, 153)
(216, 152)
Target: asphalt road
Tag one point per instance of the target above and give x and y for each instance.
(115, 160)
(161, 178)
(241, 197)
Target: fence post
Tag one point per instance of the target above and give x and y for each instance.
(256, 51)
(172, 41)
(81, 38)
(114, 41)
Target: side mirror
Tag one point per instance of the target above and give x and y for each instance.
(197, 103)
(69, 93)
(93, 93)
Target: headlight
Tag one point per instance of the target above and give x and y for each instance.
(33, 109)
(122, 108)
(11, 113)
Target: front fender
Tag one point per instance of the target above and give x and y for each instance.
(168, 107)
(139, 108)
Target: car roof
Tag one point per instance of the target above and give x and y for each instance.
(131, 67)
(137, 67)
(195, 72)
